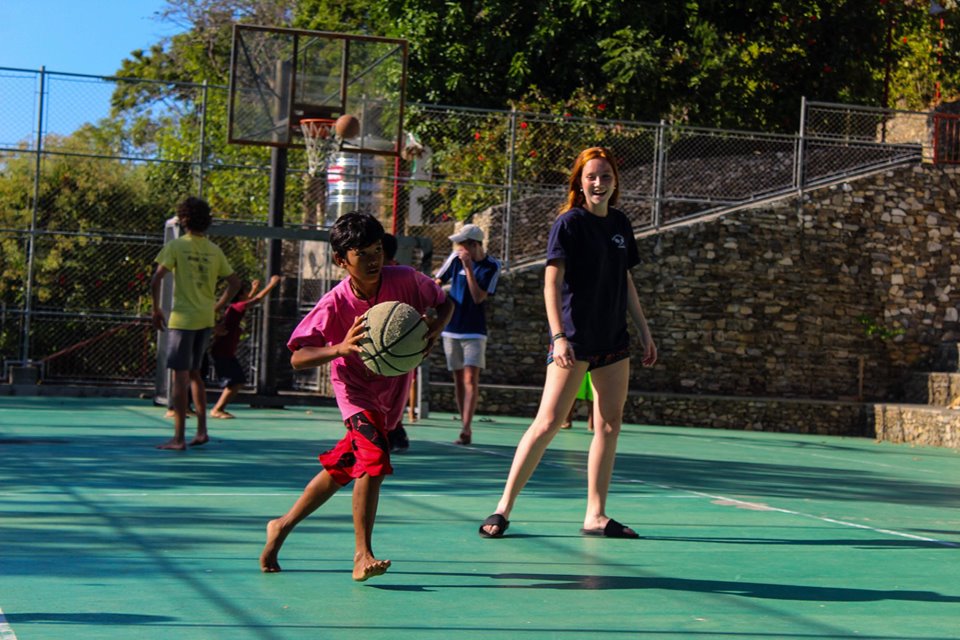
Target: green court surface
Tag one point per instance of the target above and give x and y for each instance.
(746, 535)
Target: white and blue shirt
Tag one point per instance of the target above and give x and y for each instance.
(469, 318)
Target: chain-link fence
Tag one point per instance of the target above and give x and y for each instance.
(91, 168)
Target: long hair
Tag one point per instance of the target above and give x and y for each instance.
(575, 197)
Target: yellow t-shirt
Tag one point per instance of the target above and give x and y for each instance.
(196, 264)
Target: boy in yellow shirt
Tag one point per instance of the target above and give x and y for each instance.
(196, 264)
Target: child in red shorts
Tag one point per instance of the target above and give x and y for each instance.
(371, 405)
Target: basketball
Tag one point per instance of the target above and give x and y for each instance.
(347, 126)
(396, 338)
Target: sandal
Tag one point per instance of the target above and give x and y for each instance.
(612, 529)
(464, 439)
(496, 520)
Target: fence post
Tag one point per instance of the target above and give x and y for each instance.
(659, 155)
(799, 149)
(202, 151)
(508, 214)
(32, 241)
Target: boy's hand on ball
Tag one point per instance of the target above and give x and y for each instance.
(357, 332)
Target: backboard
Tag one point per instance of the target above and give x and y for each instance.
(280, 76)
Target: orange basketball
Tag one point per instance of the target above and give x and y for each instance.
(347, 126)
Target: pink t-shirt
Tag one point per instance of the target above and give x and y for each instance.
(356, 387)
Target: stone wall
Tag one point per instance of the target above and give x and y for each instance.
(768, 301)
(821, 417)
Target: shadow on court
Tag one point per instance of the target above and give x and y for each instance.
(745, 535)
(744, 589)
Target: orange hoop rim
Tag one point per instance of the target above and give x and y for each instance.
(312, 126)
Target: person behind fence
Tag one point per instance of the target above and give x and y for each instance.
(370, 404)
(196, 264)
(473, 276)
(226, 339)
(588, 291)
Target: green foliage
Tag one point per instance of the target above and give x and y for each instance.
(744, 64)
(79, 195)
(471, 151)
(875, 329)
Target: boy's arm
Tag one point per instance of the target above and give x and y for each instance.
(478, 293)
(233, 285)
(309, 357)
(274, 281)
(436, 325)
(159, 321)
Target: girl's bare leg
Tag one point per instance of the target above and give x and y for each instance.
(610, 393)
(366, 497)
(559, 392)
(318, 491)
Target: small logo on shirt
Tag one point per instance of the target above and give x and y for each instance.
(619, 241)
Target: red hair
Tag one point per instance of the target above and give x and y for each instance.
(575, 197)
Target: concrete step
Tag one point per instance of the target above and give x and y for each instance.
(938, 389)
(915, 424)
(946, 358)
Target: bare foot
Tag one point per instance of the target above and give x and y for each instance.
(173, 444)
(199, 439)
(173, 414)
(275, 537)
(366, 566)
(223, 415)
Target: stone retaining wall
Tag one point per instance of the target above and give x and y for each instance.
(722, 412)
(768, 301)
(763, 317)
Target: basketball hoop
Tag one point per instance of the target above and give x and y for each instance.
(321, 140)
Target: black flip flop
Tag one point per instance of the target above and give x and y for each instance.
(496, 520)
(612, 529)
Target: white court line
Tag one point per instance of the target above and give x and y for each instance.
(862, 463)
(6, 631)
(750, 505)
(760, 506)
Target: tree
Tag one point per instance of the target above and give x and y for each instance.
(744, 63)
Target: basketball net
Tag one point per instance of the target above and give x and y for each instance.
(319, 136)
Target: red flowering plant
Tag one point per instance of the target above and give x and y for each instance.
(540, 135)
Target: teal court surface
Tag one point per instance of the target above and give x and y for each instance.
(746, 535)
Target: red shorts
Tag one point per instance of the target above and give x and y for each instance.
(363, 450)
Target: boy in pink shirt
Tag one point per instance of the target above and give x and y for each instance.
(371, 405)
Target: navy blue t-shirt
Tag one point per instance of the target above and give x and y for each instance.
(469, 318)
(597, 254)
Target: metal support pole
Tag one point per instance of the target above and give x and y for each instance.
(266, 376)
(799, 150)
(659, 157)
(202, 151)
(511, 161)
(32, 240)
(799, 158)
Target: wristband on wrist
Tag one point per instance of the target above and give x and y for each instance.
(557, 336)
